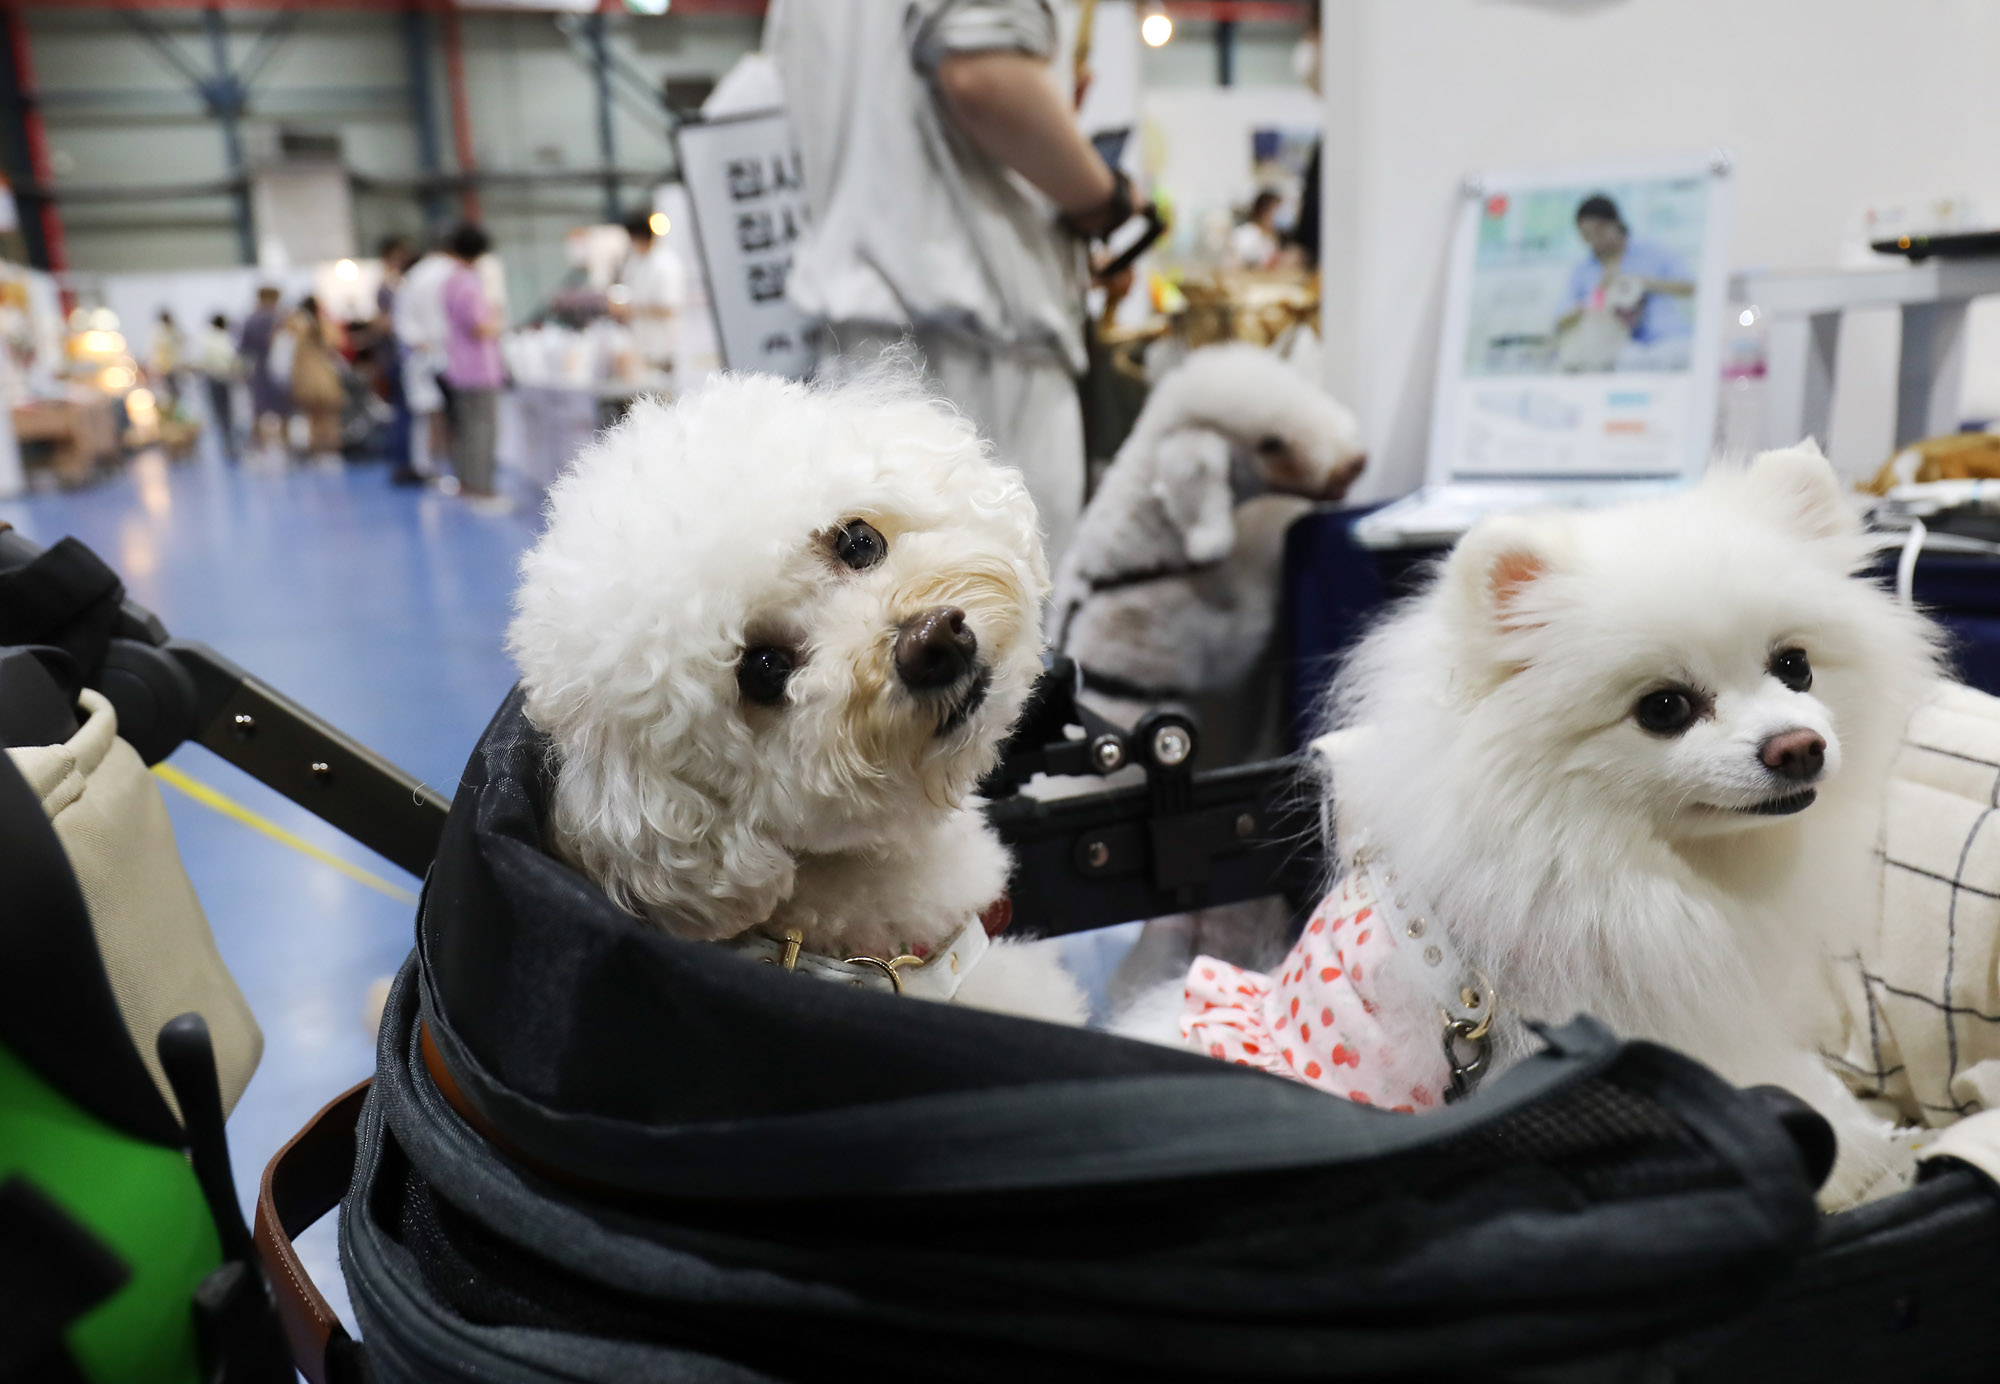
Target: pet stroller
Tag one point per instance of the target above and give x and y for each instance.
(593, 1152)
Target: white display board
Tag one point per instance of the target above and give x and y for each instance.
(192, 295)
(304, 215)
(1583, 323)
(745, 182)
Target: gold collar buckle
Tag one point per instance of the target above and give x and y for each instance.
(888, 968)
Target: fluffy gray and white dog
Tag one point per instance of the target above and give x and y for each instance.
(1168, 594)
(1169, 590)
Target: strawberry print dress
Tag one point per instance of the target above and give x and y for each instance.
(1343, 1014)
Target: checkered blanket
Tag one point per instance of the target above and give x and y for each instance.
(1922, 996)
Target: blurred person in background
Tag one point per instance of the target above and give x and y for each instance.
(219, 365)
(165, 360)
(952, 196)
(1306, 67)
(385, 356)
(420, 328)
(318, 391)
(270, 388)
(473, 367)
(1255, 244)
(655, 282)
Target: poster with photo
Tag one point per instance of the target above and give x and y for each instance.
(1583, 323)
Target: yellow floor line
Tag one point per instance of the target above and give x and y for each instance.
(229, 807)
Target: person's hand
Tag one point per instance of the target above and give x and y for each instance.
(1116, 285)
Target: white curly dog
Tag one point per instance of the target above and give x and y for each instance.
(775, 634)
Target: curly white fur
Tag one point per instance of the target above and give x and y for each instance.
(1212, 474)
(1587, 864)
(692, 533)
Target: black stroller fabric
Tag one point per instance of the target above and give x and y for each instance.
(719, 1171)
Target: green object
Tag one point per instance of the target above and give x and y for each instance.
(139, 1199)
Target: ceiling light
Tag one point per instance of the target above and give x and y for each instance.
(1156, 28)
(658, 221)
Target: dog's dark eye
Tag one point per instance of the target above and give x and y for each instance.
(1270, 444)
(1791, 667)
(1669, 711)
(859, 544)
(763, 671)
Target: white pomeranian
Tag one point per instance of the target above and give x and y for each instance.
(1634, 762)
(1637, 760)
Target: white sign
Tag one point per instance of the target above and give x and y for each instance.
(1583, 327)
(744, 179)
(304, 215)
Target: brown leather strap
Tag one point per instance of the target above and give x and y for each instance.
(456, 1098)
(447, 1085)
(305, 1181)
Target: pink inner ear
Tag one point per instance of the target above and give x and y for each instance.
(1509, 575)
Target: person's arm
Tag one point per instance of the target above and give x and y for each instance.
(485, 313)
(1004, 102)
(466, 308)
(1661, 271)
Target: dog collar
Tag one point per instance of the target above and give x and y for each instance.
(1465, 998)
(933, 977)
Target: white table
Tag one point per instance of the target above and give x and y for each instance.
(1803, 311)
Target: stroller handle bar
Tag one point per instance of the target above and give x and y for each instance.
(168, 691)
(1183, 839)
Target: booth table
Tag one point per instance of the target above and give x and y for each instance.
(1804, 310)
(82, 430)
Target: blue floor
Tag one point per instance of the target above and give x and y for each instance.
(382, 610)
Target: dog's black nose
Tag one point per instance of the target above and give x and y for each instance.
(935, 649)
(1798, 755)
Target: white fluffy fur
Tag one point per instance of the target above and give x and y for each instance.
(1167, 500)
(1587, 865)
(690, 532)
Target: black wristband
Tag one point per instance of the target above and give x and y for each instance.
(1108, 216)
